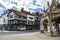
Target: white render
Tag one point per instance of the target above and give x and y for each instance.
(13, 14)
(1, 20)
(31, 17)
(4, 17)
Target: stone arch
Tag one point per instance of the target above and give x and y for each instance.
(41, 22)
(45, 24)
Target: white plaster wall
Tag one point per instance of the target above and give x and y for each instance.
(0, 20)
(13, 14)
(31, 17)
(4, 17)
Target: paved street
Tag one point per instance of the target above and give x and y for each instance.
(13, 32)
(16, 32)
(28, 36)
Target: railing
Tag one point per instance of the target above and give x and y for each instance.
(16, 22)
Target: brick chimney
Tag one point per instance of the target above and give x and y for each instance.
(22, 9)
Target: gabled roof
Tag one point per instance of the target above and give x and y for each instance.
(20, 13)
(24, 13)
(5, 12)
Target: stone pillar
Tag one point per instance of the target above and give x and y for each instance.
(41, 25)
(48, 25)
(48, 28)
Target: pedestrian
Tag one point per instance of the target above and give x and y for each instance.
(53, 31)
(53, 26)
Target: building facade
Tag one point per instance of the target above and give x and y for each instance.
(51, 14)
(1, 23)
(14, 20)
(4, 20)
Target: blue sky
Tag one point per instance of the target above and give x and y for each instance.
(28, 5)
(2, 8)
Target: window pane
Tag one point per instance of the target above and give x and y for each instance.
(11, 16)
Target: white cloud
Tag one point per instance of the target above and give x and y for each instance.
(1, 8)
(26, 4)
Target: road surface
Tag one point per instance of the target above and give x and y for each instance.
(23, 35)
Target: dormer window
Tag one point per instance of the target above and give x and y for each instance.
(11, 16)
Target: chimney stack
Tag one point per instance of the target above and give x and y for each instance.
(22, 9)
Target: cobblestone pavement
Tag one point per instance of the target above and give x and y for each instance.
(29, 36)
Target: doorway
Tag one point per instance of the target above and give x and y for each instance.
(45, 24)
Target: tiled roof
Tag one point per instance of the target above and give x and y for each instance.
(21, 13)
(24, 13)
